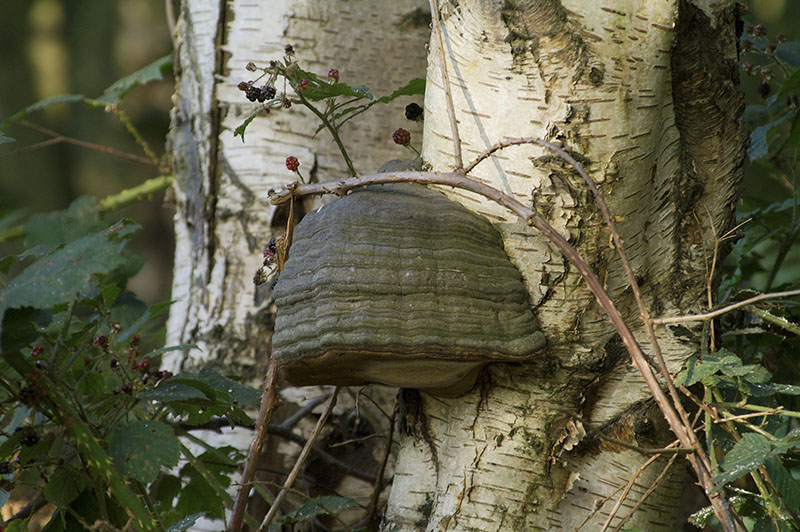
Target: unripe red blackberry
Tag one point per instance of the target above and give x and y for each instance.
(302, 85)
(292, 163)
(333, 74)
(401, 136)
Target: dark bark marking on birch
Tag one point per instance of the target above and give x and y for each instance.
(182, 140)
(708, 108)
(414, 422)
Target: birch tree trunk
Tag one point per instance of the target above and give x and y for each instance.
(644, 94)
(223, 216)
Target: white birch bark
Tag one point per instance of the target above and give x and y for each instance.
(643, 92)
(223, 216)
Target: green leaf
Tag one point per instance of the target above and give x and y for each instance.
(59, 227)
(64, 485)
(323, 505)
(69, 271)
(165, 489)
(141, 448)
(749, 453)
(238, 393)
(161, 350)
(696, 370)
(412, 88)
(92, 383)
(323, 91)
(239, 131)
(784, 482)
(170, 390)
(764, 390)
(185, 523)
(100, 464)
(153, 72)
(34, 452)
(789, 52)
(759, 138)
(790, 85)
(21, 327)
(41, 104)
(9, 446)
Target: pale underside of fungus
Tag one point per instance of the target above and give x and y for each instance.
(396, 284)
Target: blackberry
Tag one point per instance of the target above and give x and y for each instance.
(244, 86)
(5, 468)
(302, 85)
(37, 350)
(29, 438)
(28, 395)
(333, 74)
(401, 136)
(292, 163)
(102, 341)
(414, 112)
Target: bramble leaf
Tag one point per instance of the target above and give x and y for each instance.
(153, 72)
(140, 449)
(749, 453)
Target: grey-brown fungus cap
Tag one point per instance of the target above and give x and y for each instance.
(396, 284)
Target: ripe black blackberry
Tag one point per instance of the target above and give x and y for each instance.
(414, 112)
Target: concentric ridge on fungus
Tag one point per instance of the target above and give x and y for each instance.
(396, 284)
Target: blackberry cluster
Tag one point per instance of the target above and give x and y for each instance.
(29, 438)
(259, 94)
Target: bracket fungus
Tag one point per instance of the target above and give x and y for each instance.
(396, 284)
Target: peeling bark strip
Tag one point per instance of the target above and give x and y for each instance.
(604, 79)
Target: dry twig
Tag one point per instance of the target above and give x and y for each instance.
(268, 405)
(301, 460)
